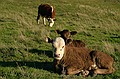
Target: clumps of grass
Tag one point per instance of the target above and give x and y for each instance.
(23, 51)
(108, 47)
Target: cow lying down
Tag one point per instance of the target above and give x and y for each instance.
(74, 60)
(66, 34)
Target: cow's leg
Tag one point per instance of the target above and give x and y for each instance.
(71, 71)
(93, 56)
(56, 66)
(104, 71)
(63, 70)
(38, 18)
(94, 66)
(44, 21)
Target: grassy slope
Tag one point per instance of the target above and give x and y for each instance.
(23, 52)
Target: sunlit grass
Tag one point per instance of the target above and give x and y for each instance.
(23, 51)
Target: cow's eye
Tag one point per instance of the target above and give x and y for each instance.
(60, 49)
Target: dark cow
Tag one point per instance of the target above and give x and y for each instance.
(66, 35)
(75, 60)
(47, 12)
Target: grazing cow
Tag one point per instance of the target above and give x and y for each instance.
(74, 60)
(47, 12)
(66, 34)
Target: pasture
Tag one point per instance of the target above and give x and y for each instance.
(24, 54)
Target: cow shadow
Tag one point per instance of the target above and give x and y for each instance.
(47, 65)
(44, 52)
(38, 65)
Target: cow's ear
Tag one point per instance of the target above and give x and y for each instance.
(58, 31)
(49, 40)
(69, 41)
(73, 32)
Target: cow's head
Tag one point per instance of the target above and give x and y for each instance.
(59, 48)
(66, 34)
(51, 21)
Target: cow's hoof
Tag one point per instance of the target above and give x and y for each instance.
(92, 73)
(84, 73)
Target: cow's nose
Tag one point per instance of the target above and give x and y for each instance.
(56, 55)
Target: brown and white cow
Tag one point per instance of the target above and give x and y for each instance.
(66, 35)
(70, 60)
(47, 12)
(74, 60)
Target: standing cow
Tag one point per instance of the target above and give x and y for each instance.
(47, 12)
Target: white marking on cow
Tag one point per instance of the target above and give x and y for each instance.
(59, 47)
(38, 21)
(52, 8)
(44, 20)
(51, 23)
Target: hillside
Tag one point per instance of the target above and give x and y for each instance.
(23, 50)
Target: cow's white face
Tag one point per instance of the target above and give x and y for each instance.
(51, 22)
(59, 47)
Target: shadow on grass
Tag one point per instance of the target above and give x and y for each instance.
(39, 65)
(44, 52)
(12, 51)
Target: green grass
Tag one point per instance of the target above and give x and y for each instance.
(23, 51)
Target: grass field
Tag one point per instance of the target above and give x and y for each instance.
(24, 54)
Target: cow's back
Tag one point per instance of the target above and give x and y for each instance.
(78, 43)
(45, 10)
